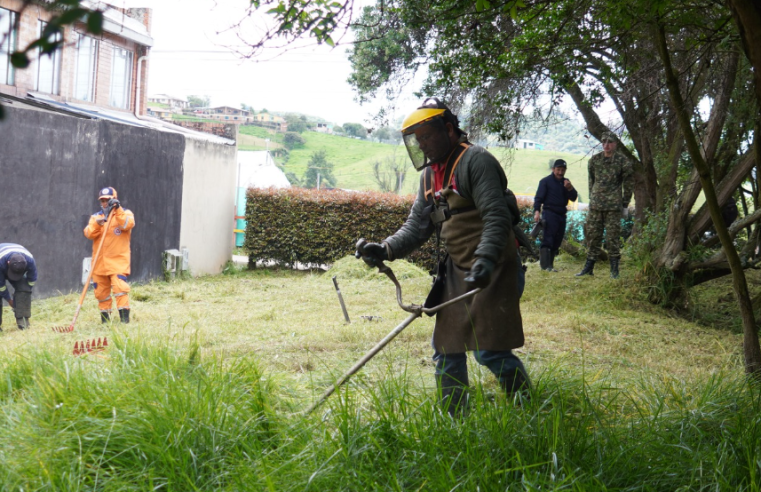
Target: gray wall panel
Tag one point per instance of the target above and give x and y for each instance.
(51, 168)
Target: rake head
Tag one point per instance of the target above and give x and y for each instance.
(64, 329)
(86, 347)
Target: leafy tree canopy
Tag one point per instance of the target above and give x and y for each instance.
(320, 169)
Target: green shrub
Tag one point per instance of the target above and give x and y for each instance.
(319, 227)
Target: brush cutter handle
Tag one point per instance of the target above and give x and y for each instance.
(410, 308)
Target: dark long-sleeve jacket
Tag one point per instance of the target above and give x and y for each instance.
(480, 179)
(553, 195)
(6, 250)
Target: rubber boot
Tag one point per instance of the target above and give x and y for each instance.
(105, 317)
(22, 323)
(614, 267)
(551, 261)
(124, 315)
(589, 268)
(454, 394)
(544, 258)
(515, 381)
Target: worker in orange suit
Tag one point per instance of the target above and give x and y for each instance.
(112, 268)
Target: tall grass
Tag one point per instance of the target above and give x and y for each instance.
(204, 391)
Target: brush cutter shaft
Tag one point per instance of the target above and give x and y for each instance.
(415, 311)
(356, 367)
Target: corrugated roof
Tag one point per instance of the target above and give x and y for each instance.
(44, 102)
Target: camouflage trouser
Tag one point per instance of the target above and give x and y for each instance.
(597, 222)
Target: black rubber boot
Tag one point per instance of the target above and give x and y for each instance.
(454, 394)
(124, 316)
(514, 382)
(544, 258)
(22, 323)
(589, 268)
(105, 317)
(614, 267)
(551, 266)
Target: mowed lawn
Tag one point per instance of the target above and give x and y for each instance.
(206, 388)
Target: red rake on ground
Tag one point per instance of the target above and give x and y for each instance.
(84, 348)
(70, 328)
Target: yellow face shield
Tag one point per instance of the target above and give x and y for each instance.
(412, 126)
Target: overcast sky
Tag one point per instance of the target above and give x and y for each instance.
(190, 57)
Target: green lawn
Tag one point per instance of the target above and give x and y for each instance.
(353, 160)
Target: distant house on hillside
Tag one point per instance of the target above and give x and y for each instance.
(324, 128)
(268, 120)
(225, 113)
(170, 102)
(528, 144)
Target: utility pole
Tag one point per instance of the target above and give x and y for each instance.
(318, 180)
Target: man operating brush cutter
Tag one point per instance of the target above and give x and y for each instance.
(463, 198)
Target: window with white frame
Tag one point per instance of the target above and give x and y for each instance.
(48, 76)
(8, 41)
(121, 78)
(87, 64)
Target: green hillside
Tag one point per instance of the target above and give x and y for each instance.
(353, 160)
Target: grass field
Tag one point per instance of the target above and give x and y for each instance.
(353, 160)
(203, 391)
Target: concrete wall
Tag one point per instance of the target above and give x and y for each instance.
(208, 205)
(53, 165)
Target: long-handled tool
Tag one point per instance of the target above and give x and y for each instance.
(70, 328)
(415, 311)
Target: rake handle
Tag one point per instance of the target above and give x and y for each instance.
(92, 268)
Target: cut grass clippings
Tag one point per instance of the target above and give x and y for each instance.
(205, 389)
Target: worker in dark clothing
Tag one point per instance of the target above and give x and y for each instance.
(17, 266)
(462, 195)
(551, 201)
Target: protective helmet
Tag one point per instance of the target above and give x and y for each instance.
(107, 192)
(431, 112)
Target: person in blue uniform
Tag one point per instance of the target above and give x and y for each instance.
(550, 205)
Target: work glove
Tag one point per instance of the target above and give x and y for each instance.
(373, 254)
(114, 203)
(101, 220)
(625, 212)
(480, 273)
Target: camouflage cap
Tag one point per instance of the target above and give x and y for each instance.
(608, 136)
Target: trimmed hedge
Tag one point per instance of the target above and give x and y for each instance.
(319, 227)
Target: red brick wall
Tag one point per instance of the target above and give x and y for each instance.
(28, 32)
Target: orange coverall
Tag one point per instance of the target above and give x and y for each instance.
(112, 268)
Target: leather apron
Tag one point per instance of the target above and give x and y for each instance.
(490, 320)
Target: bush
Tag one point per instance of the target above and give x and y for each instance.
(319, 227)
(292, 140)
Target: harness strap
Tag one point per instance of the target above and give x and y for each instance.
(457, 154)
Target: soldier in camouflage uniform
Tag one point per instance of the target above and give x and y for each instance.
(609, 172)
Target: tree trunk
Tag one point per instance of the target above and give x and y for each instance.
(747, 15)
(751, 347)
